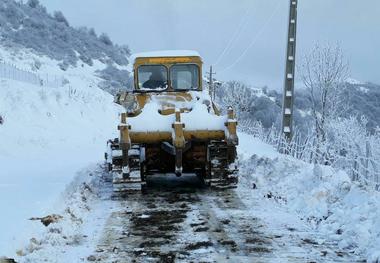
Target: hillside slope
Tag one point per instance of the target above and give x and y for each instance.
(29, 26)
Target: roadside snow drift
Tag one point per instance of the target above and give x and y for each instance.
(47, 135)
(341, 210)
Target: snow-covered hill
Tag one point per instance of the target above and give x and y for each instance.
(261, 104)
(29, 27)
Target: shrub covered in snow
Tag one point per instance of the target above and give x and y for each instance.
(328, 199)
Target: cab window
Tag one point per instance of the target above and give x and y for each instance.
(152, 77)
(184, 77)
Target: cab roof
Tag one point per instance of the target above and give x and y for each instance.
(165, 53)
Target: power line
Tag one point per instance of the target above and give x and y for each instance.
(235, 36)
(254, 40)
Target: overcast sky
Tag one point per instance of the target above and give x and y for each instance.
(209, 25)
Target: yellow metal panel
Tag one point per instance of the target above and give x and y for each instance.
(157, 137)
(204, 135)
(151, 137)
(167, 60)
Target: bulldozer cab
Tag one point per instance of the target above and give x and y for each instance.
(169, 71)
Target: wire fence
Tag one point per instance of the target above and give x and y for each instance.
(360, 161)
(9, 71)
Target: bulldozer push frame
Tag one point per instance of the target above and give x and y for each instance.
(171, 126)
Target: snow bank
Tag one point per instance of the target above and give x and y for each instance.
(48, 135)
(249, 145)
(342, 210)
(83, 217)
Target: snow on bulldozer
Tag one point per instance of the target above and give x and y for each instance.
(171, 125)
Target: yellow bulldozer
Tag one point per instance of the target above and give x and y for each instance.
(171, 125)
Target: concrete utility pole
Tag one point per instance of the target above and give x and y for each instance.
(211, 83)
(287, 107)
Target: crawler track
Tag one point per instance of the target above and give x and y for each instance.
(219, 160)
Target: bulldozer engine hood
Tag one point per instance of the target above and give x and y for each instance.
(167, 101)
(155, 112)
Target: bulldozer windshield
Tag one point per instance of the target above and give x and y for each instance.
(152, 77)
(184, 77)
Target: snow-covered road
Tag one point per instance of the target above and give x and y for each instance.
(179, 220)
(184, 222)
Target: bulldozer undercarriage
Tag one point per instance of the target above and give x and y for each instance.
(212, 161)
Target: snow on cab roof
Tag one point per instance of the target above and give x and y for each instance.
(166, 53)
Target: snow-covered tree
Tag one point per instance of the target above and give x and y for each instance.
(238, 95)
(92, 32)
(105, 39)
(323, 73)
(250, 104)
(58, 15)
(33, 3)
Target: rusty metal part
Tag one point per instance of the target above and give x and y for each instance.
(179, 142)
(231, 124)
(125, 144)
(156, 137)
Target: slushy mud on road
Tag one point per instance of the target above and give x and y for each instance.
(179, 220)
